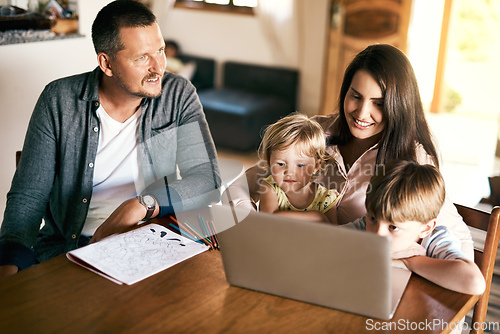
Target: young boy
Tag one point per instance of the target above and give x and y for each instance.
(402, 205)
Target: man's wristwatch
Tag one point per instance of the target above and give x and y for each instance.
(149, 203)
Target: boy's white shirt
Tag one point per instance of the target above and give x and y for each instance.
(439, 244)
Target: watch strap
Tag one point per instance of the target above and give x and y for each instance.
(150, 209)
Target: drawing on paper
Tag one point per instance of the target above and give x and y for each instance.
(139, 253)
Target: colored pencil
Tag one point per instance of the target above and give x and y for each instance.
(184, 231)
(214, 233)
(207, 229)
(173, 218)
(204, 227)
(186, 227)
(185, 234)
(197, 234)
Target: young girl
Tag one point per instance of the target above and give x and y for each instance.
(294, 151)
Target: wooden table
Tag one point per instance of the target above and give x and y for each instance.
(58, 296)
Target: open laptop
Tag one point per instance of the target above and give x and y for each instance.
(321, 264)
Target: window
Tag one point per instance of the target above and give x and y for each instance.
(470, 68)
(228, 6)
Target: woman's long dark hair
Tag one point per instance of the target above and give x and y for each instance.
(406, 124)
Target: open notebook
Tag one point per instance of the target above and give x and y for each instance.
(327, 265)
(135, 255)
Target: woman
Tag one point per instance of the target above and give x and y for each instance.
(380, 118)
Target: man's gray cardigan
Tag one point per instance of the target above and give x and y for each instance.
(55, 175)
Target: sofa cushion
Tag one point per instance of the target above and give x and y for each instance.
(236, 118)
(239, 102)
(260, 79)
(204, 75)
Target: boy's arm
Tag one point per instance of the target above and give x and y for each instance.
(415, 249)
(459, 275)
(445, 264)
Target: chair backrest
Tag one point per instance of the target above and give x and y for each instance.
(282, 82)
(485, 260)
(204, 75)
(18, 156)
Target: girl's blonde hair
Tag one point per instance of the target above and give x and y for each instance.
(295, 129)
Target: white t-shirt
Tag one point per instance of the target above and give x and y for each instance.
(116, 168)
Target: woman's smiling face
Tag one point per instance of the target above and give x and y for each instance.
(364, 106)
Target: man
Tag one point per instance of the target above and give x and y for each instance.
(98, 139)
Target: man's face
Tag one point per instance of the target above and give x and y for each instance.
(139, 67)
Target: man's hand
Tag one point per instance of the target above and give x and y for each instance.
(128, 214)
(8, 270)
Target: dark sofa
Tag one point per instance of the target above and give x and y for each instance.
(204, 74)
(251, 97)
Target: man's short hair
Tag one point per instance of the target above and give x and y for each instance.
(114, 16)
(407, 191)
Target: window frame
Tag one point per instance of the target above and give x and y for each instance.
(202, 5)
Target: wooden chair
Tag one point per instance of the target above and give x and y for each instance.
(18, 156)
(484, 259)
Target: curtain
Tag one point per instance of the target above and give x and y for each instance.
(280, 21)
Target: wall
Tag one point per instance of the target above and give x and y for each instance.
(225, 36)
(25, 70)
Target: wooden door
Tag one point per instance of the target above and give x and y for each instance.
(355, 24)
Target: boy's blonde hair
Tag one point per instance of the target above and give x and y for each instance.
(407, 191)
(295, 129)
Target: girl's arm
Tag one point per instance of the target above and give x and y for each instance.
(459, 275)
(312, 216)
(268, 198)
(269, 203)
